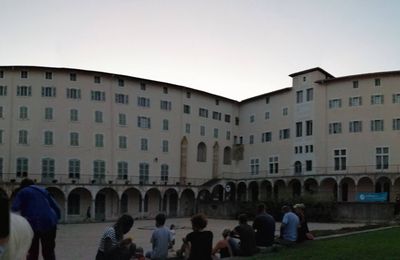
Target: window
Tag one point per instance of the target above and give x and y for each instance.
(308, 165)
(23, 113)
(48, 75)
(309, 148)
(201, 152)
(227, 118)
(74, 204)
(99, 140)
(217, 102)
(355, 84)
(188, 95)
(273, 164)
(252, 118)
(74, 93)
(73, 115)
(122, 119)
(74, 168)
(48, 91)
(215, 132)
(24, 74)
(284, 133)
(97, 79)
(122, 170)
(285, 111)
(382, 158)
(186, 109)
(339, 159)
(23, 137)
(228, 135)
(1, 136)
(187, 128)
(165, 90)
(74, 139)
(3, 90)
(144, 173)
(217, 115)
(376, 99)
(48, 113)
(355, 101)
(377, 125)
(122, 142)
(335, 128)
(396, 98)
(121, 99)
(355, 126)
(335, 103)
(254, 166)
(1, 74)
(165, 147)
(99, 169)
(143, 102)
(98, 95)
(299, 129)
(377, 82)
(309, 127)
(1, 112)
(98, 116)
(72, 76)
(165, 105)
(267, 115)
(121, 83)
(241, 140)
(266, 100)
(144, 122)
(202, 130)
(251, 139)
(304, 78)
(22, 167)
(299, 96)
(309, 94)
(142, 86)
(144, 144)
(1, 166)
(164, 172)
(227, 155)
(298, 168)
(48, 165)
(266, 137)
(24, 91)
(48, 138)
(203, 112)
(396, 124)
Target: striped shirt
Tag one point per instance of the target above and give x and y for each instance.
(108, 233)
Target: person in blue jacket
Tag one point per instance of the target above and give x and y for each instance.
(42, 212)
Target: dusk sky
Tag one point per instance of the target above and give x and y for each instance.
(236, 49)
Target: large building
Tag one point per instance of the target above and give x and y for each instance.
(124, 144)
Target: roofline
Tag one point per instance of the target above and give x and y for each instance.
(119, 75)
(364, 75)
(276, 92)
(311, 70)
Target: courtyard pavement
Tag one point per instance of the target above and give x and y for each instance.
(80, 241)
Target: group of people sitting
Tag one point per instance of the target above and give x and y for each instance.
(243, 240)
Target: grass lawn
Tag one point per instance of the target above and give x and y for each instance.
(383, 244)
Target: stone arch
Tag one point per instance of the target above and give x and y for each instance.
(132, 202)
(347, 189)
(204, 195)
(227, 155)
(253, 191)
(365, 184)
(279, 189)
(152, 202)
(170, 202)
(328, 189)
(187, 203)
(217, 193)
(201, 152)
(265, 190)
(241, 191)
(383, 184)
(230, 193)
(106, 204)
(184, 155)
(295, 187)
(310, 186)
(78, 201)
(59, 197)
(215, 171)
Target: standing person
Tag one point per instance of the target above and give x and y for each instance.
(88, 214)
(290, 223)
(160, 240)
(112, 238)
(42, 212)
(199, 242)
(247, 236)
(264, 225)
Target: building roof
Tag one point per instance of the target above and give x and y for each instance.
(328, 75)
(279, 91)
(355, 76)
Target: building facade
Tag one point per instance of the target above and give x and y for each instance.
(124, 144)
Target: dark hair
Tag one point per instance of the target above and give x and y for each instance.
(123, 225)
(26, 182)
(261, 207)
(4, 215)
(199, 221)
(242, 218)
(160, 219)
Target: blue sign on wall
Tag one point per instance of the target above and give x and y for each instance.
(372, 196)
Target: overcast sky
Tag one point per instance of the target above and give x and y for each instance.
(236, 49)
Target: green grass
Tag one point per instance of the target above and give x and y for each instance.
(383, 244)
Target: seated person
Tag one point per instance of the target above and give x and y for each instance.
(160, 239)
(290, 223)
(264, 225)
(223, 247)
(247, 245)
